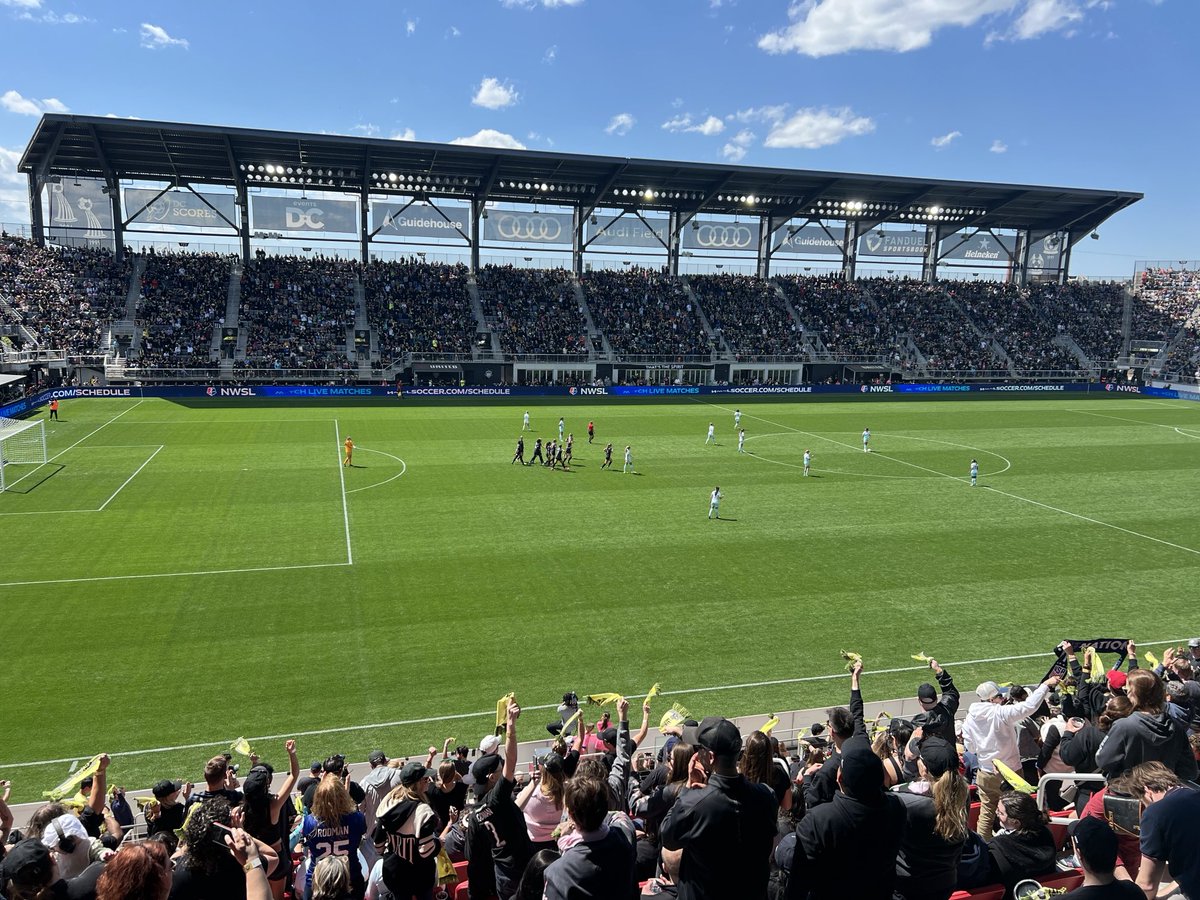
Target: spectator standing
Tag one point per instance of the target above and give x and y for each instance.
(601, 862)
(376, 784)
(820, 779)
(927, 864)
(1168, 837)
(407, 835)
(1148, 735)
(335, 827)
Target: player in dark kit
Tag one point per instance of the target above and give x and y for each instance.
(570, 445)
(537, 452)
(591, 431)
(607, 464)
(549, 454)
(519, 456)
(559, 457)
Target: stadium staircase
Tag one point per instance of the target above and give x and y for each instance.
(483, 324)
(1127, 323)
(12, 322)
(1067, 342)
(125, 332)
(361, 323)
(807, 339)
(911, 349)
(715, 338)
(592, 333)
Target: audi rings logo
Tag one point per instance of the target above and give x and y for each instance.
(728, 237)
(528, 228)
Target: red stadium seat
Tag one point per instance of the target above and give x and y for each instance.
(973, 815)
(988, 892)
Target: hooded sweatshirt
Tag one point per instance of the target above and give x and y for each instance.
(1145, 737)
(409, 827)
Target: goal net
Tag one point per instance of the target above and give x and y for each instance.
(22, 444)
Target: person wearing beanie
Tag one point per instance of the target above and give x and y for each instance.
(927, 864)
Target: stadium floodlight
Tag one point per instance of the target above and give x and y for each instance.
(22, 444)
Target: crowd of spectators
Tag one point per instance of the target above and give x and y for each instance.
(645, 312)
(840, 313)
(1001, 311)
(298, 312)
(1090, 312)
(418, 307)
(890, 809)
(946, 339)
(535, 310)
(749, 314)
(183, 299)
(1174, 293)
(66, 296)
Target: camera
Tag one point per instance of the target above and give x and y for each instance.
(233, 769)
(570, 698)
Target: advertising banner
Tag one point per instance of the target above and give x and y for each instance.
(892, 242)
(707, 234)
(180, 208)
(810, 239)
(420, 220)
(629, 231)
(1045, 251)
(80, 212)
(527, 227)
(303, 214)
(982, 246)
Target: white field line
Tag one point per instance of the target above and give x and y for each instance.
(80, 441)
(130, 478)
(1065, 512)
(1088, 412)
(334, 565)
(403, 469)
(47, 512)
(342, 478)
(488, 712)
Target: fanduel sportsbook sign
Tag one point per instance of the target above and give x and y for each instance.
(982, 246)
(527, 227)
(629, 231)
(180, 208)
(711, 235)
(809, 239)
(291, 214)
(420, 220)
(882, 242)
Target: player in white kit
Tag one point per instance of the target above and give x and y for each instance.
(807, 461)
(712, 434)
(866, 440)
(974, 472)
(525, 421)
(742, 441)
(628, 466)
(714, 503)
(737, 418)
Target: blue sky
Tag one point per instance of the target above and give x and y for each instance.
(1084, 93)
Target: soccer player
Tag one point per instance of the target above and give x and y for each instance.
(537, 453)
(737, 418)
(349, 452)
(807, 461)
(742, 441)
(559, 457)
(866, 440)
(550, 453)
(628, 467)
(607, 464)
(714, 503)
(561, 427)
(519, 456)
(712, 434)
(591, 431)
(570, 447)
(974, 472)
(54, 410)
(525, 421)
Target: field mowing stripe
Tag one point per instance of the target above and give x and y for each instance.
(1088, 412)
(488, 712)
(342, 477)
(80, 441)
(333, 565)
(130, 478)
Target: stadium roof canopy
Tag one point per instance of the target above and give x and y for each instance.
(114, 149)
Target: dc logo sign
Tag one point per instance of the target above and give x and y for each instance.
(573, 391)
(1109, 387)
(299, 219)
(212, 392)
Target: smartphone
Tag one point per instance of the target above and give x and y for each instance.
(217, 832)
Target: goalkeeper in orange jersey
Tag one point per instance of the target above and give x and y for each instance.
(348, 460)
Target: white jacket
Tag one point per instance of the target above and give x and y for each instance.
(990, 729)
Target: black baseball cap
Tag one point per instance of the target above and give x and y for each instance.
(165, 788)
(927, 693)
(412, 772)
(939, 756)
(482, 769)
(27, 864)
(609, 736)
(377, 758)
(1097, 842)
(716, 734)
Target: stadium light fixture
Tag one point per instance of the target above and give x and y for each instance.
(1095, 235)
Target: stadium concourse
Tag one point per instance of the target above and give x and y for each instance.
(935, 800)
(163, 315)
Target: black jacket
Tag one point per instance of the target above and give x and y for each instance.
(926, 861)
(821, 786)
(726, 830)
(939, 718)
(1016, 856)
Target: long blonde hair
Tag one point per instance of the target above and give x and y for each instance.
(332, 801)
(949, 791)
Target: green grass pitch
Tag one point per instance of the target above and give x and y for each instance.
(181, 574)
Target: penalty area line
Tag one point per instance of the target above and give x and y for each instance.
(453, 717)
(130, 478)
(92, 578)
(342, 478)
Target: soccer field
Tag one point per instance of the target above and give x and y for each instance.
(183, 574)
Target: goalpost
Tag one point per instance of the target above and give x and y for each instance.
(21, 444)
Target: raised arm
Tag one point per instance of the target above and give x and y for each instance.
(618, 778)
(645, 729)
(510, 741)
(950, 695)
(99, 786)
(284, 794)
(856, 700)
(6, 816)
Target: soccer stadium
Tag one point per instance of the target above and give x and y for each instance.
(597, 525)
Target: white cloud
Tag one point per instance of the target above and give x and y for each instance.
(945, 140)
(50, 17)
(620, 124)
(531, 4)
(366, 129)
(998, 146)
(812, 128)
(550, 55)
(155, 37)
(493, 94)
(828, 27)
(410, 27)
(761, 113)
(28, 106)
(490, 137)
(22, 4)
(14, 195)
(453, 32)
(735, 149)
(406, 135)
(710, 126)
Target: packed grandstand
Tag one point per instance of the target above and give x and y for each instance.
(341, 319)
